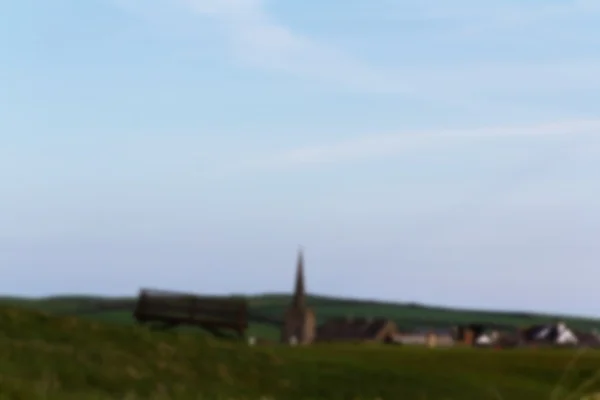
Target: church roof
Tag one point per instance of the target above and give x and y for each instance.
(299, 299)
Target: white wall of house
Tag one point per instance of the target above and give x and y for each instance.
(422, 339)
(565, 335)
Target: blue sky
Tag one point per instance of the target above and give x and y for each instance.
(431, 151)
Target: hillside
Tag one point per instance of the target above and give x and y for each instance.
(266, 311)
(47, 357)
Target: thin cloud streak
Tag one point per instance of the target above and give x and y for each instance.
(377, 146)
(260, 40)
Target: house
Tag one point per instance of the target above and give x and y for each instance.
(357, 329)
(508, 339)
(555, 334)
(588, 339)
(431, 338)
(487, 339)
(410, 338)
(470, 334)
(424, 336)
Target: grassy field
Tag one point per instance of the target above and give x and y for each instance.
(49, 357)
(273, 306)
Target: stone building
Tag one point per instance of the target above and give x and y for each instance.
(357, 330)
(299, 326)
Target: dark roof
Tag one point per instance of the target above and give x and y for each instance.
(427, 330)
(375, 327)
(353, 328)
(539, 332)
(587, 338)
(544, 332)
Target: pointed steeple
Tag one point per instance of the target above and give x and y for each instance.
(299, 323)
(299, 300)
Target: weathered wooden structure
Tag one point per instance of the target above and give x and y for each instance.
(165, 309)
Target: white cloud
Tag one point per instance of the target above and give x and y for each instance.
(257, 38)
(260, 40)
(377, 146)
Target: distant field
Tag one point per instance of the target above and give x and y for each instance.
(273, 306)
(62, 358)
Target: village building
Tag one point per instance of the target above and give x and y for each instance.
(424, 336)
(588, 339)
(556, 334)
(357, 329)
(300, 323)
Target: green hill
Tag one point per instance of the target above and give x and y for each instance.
(62, 358)
(266, 312)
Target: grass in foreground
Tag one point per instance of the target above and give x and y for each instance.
(44, 357)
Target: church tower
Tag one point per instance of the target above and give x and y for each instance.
(299, 324)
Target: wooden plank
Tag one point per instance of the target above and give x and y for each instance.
(151, 300)
(200, 309)
(178, 296)
(195, 303)
(170, 319)
(195, 320)
(195, 300)
(189, 312)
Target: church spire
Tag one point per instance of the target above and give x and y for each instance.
(299, 290)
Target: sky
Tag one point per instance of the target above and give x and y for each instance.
(428, 151)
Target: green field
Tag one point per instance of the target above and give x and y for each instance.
(273, 307)
(49, 357)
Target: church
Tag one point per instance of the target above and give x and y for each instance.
(300, 322)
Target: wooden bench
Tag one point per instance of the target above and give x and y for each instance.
(170, 309)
